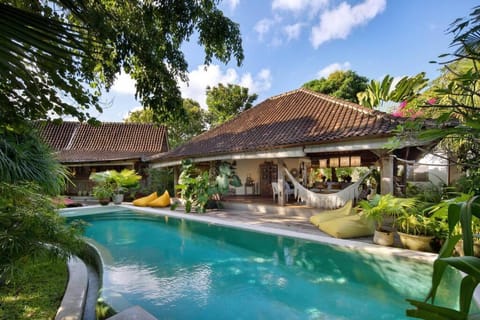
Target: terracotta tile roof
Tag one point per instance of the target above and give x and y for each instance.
(81, 142)
(296, 118)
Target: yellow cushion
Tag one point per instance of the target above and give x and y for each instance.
(348, 227)
(160, 202)
(332, 214)
(143, 201)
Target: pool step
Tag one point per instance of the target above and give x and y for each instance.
(133, 313)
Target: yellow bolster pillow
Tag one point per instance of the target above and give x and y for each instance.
(348, 227)
(332, 214)
(160, 202)
(143, 201)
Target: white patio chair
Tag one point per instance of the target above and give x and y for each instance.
(275, 190)
(288, 191)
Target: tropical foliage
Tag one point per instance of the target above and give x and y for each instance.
(225, 102)
(378, 93)
(459, 213)
(24, 157)
(50, 50)
(116, 182)
(341, 84)
(179, 130)
(198, 187)
(459, 98)
(382, 206)
(31, 227)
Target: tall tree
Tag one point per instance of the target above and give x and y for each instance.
(225, 102)
(179, 130)
(49, 50)
(340, 84)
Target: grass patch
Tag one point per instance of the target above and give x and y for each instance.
(36, 292)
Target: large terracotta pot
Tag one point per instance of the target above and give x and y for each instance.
(413, 242)
(384, 238)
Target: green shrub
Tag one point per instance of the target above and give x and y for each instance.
(30, 227)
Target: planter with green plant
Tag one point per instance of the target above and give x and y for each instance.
(124, 181)
(103, 192)
(381, 207)
(416, 230)
(117, 182)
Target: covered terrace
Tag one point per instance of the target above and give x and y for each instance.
(286, 137)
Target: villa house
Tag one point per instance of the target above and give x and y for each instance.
(84, 148)
(300, 130)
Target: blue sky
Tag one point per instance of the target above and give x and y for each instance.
(289, 42)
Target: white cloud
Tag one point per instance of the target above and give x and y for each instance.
(339, 22)
(325, 72)
(201, 78)
(124, 84)
(293, 31)
(263, 26)
(232, 4)
(299, 5)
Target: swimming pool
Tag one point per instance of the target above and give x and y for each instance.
(181, 269)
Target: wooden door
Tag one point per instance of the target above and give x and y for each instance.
(268, 174)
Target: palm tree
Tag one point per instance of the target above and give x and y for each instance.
(25, 158)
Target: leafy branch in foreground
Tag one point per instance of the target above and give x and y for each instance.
(459, 212)
(49, 50)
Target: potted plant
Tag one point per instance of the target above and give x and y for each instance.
(381, 207)
(103, 192)
(117, 182)
(416, 231)
(123, 181)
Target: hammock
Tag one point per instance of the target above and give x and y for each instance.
(326, 201)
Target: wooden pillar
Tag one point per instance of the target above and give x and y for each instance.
(280, 181)
(176, 174)
(386, 174)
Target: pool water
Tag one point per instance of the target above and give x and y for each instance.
(180, 269)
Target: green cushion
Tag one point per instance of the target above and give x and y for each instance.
(351, 226)
(332, 214)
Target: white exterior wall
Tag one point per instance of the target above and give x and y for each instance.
(245, 168)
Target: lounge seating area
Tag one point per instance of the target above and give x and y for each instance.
(344, 222)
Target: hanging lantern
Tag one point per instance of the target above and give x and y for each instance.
(355, 161)
(344, 161)
(333, 162)
(322, 163)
